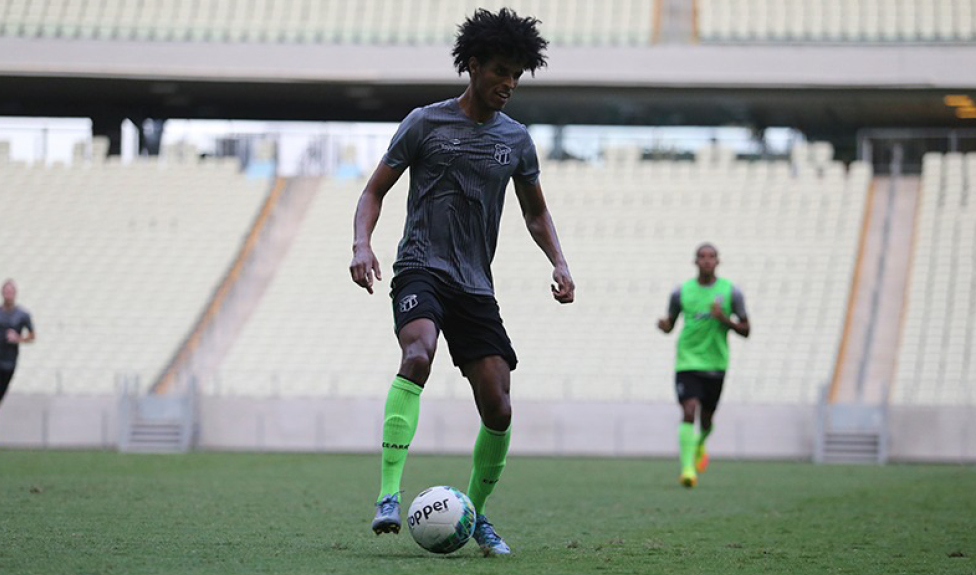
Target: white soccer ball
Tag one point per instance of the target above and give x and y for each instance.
(441, 519)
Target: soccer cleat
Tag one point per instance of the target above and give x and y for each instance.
(701, 459)
(488, 540)
(387, 518)
(689, 479)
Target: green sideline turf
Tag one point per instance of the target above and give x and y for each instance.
(108, 513)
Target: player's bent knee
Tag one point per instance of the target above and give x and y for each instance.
(689, 408)
(498, 416)
(497, 423)
(415, 364)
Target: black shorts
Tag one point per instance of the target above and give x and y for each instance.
(5, 376)
(703, 385)
(472, 324)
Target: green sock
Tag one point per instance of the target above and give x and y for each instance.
(490, 450)
(399, 424)
(687, 443)
(704, 435)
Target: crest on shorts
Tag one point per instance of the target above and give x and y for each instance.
(408, 302)
(503, 154)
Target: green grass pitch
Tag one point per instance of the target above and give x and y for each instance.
(91, 512)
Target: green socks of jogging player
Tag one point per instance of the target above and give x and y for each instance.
(490, 450)
(687, 444)
(704, 435)
(399, 424)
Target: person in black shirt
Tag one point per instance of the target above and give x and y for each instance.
(15, 328)
(461, 154)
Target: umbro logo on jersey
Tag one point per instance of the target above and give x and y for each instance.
(503, 154)
(408, 302)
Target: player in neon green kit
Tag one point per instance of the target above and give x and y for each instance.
(712, 306)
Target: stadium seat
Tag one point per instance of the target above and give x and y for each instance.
(870, 21)
(937, 353)
(381, 22)
(788, 239)
(129, 256)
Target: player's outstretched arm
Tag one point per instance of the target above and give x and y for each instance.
(543, 232)
(364, 263)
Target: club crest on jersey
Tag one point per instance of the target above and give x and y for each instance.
(408, 302)
(503, 154)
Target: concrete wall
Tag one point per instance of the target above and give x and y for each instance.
(35, 420)
(945, 433)
(725, 66)
(747, 431)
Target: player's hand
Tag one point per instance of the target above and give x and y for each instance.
(718, 314)
(364, 264)
(717, 310)
(664, 324)
(13, 336)
(563, 288)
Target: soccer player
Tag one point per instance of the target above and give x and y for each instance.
(15, 328)
(712, 306)
(461, 152)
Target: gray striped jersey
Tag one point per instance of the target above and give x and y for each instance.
(459, 171)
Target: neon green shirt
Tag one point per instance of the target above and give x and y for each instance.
(703, 344)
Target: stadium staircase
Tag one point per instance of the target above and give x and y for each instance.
(852, 422)
(851, 432)
(165, 418)
(675, 21)
(156, 423)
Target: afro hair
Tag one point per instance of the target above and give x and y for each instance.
(485, 35)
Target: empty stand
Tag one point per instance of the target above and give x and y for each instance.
(874, 21)
(116, 261)
(938, 345)
(315, 332)
(575, 22)
(565, 22)
(787, 233)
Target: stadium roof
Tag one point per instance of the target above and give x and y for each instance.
(819, 89)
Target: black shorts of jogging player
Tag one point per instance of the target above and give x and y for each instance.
(706, 386)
